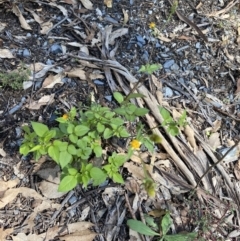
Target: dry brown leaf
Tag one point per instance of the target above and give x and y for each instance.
(214, 140)
(134, 236)
(22, 20)
(77, 72)
(125, 16)
(11, 194)
(45, 100)
(108, 3)
(2, 26)
(189, 132)
(6, 54)
(46, 26)
(50, 190)
(4, 233)
(238, 86)
(87, 4)
(136, 171)
(52, 80)
(79, 237)
(29, 237)
(117, 33)
(2, 152)
(237, 170)
(9, 184)
(216, 125)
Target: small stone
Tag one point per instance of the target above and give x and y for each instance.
(168, 64)
(168, 92)
(174, 67)
(198, 45)
(26, 53)
(140, 39)
(56, 49)
(98, 82)
(49, 62)
(28, 35)
(108, 97)
(72, 200)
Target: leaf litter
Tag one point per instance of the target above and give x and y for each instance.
(179, 150)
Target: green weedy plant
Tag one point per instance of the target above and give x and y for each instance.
(79, 136)
(151, 229)
(15, 79)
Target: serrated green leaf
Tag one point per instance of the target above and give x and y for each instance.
(72, 171)
(61, 145)
(98, 176)
(119, 159)
(39, 128)
(173, 130)
(166, 223)
(98, 151)
(118, 97)
(64, 158)
(123, 132)
(149, 144)
(70, 128)
(117, 177)
(149, 68)
(67, 183)
(24, 149)
(165, 113)
(107, 133)
(53, 152)
(35, 148)
(100, 127)
(117, 121)
(72, 149)
(141, 111)
(81, 130)
(141, 228)
(134, 95)
(182, 119)
(120, 111)
(73, 138)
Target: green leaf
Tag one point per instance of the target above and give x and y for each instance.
(166, 223)
(67, 183)
(53, 152)
(24, 149)
(98, 151)
(73, 138)
(123, 132)
(100, 127)
(81, 130)
(64, 158)
(181, 237)
(70, 128)
(141, 111)
(165, 113)
(117, 177)
(107, 133)
(98, 176)
(148, 143)
(72, 149)
(182, 119)
(39, 128)
(173, 130)
(117, 121)
(134, 95)
(120, 111)
(140, 227)
(72, 171)
(62, 146)
(49, 135)
(35, 148)
(119, 160)
(150, 221)
(150, 68)
(118, 97)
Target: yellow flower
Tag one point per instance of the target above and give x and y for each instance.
(135, 144)
(65, 116)
(152, 25)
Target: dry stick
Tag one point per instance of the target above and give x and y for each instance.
(216, 163)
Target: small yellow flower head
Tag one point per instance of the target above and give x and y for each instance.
(152, 25)
(135, 144)
(65, 116)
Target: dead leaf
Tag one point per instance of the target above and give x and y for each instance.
(6, 54)
(2, 152)
(46, 26)
(9, 184)
(29, 237)
(4, 233)
(50, 190)
(108, 3)
(22, 20)
(2, 26)
(87, 4)
(237, 170)
(77, 72)
(189, 132)
(52, 80)
(214, 140)
(45, 100)
(11, 194)
(238, 86)
(125, 16)
(117, 33)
